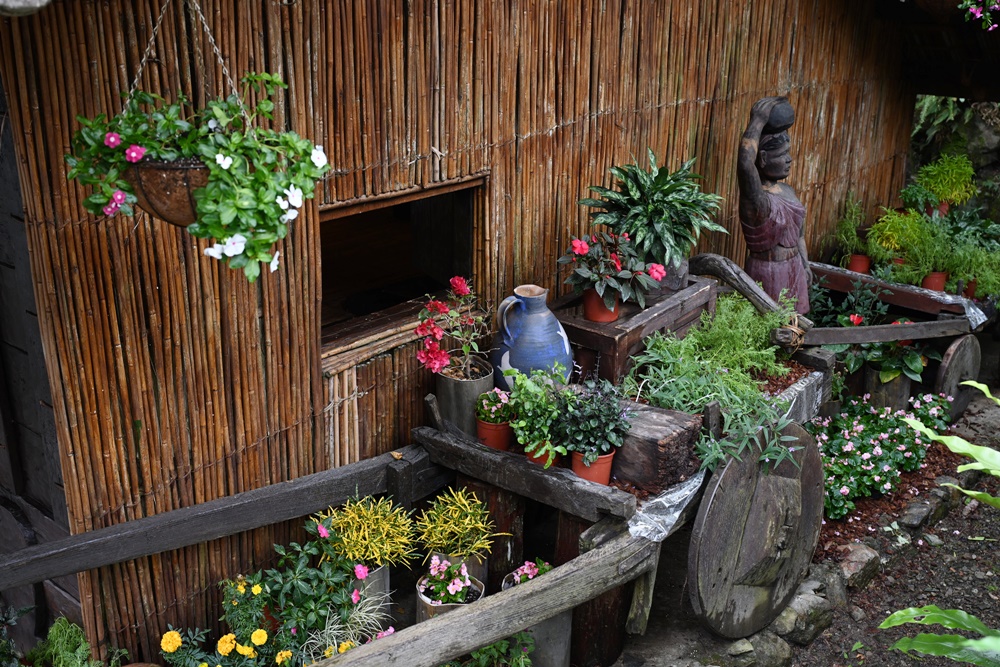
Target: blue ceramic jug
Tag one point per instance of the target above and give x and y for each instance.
(528, 335)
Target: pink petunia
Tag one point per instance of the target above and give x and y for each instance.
(134, 153)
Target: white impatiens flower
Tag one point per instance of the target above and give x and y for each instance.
(318, 157)
(215, 251)
(290, 214)
(223, 161)
(294, 196)
(274, 261)
(234, 245)
(282, 203)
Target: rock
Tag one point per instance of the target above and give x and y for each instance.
(933, 539)
(916, 514)
(771, 650)
(859, 565)
(834, 588)
(953, 493)
(803, 619)
(740, 647)
(857, 613)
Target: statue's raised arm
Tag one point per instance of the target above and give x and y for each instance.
(771, 215)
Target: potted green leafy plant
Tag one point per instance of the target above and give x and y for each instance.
(536, 400)
(247, 181)
(66, 645)
(893, 233)
(592, 425)
(446, 587)
(551, 637)
(950, 178)
(494, 410)
(664, 213)
(853, 248)
(606, 269)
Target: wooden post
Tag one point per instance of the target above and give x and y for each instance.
(507, 511)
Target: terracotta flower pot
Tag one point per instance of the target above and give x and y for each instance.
(859, 263)
(540, 460)
(970, 290)
(935, 280)
(599, 471)
(595, 310)
(496, 436)
(166, 189)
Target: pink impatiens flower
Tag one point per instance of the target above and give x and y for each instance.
(844, 490)
(134, 153)
(356, 596)
(322, 531)
(360, 572)
(433, 357)
(580, 247)
(657, 272)
(112, 139)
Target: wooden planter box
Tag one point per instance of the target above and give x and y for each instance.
(613, 343)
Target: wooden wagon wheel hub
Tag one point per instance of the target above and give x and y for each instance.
(754, 538)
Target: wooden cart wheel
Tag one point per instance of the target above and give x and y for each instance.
(754, 538)
(960, 362)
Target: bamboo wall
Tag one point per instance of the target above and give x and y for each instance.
(175, 382)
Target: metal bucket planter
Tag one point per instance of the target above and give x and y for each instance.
(457, 398)
(426, 609)
(476, 566)
(376, 583)
(166, 189)
(552, 636)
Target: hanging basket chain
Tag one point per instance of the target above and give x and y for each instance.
(193, 4)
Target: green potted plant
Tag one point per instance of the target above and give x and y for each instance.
(606, 270)
(950, 179)
(551, 637)
(248, 181)
(853, 248)
(457, 527)
(65, 645)
(463, 373)
(928, 256)
(592, 425)
(893, 233)
(536, 400)
(664, 213)
(494, 410)
(446, 587)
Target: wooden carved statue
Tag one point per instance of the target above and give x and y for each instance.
(771, 215)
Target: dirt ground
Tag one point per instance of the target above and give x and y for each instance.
(953, 564)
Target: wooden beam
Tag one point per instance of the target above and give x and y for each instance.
(200, 523)
(556, 487)
(907, 296)
(887, 332)
(451, 635)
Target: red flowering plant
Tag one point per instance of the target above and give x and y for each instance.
(890, 358)
(609, 264)
(459, 319)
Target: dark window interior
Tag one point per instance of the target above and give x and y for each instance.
(380, 258)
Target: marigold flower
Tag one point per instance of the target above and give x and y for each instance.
(241, 588)
(245, 651)
(226, 644)
(328, 652)
(171, 641)
(460, 286)
(256, 590)
(259, 636)
(345, 646)
(283, 656)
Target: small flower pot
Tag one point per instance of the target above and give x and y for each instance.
(166, 189)
(935, 280)
(595, 310)
(495, 436)
(599, 471)
(859, 263)
(376, 583)
(457, 397)
(543, 458)
(427, 609)
(970, 290)
(476, 566)
(553, 636)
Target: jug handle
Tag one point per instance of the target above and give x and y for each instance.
(502, 314)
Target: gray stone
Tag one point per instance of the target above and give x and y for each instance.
(784, 623)
(953, 494)
(857, 613)
(813, 614)
(916, 514)
(859, 566)
(771, 650)
(834, 588)
(740, 647)
(933, 539)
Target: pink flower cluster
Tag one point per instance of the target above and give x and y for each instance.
(133, 153)
(446, 583)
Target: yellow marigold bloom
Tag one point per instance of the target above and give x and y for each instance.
(241, 588)
(226, 644)
(234, 603)
(282, 656)
(204, 664)
(259, 636)
(256, 589)
(328, 652)
(345, 646)
(246, 651)
(171, 641)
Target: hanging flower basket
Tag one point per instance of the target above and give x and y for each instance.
(166, 189)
